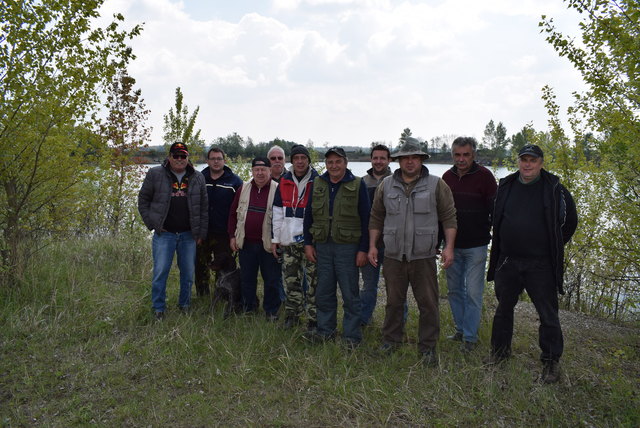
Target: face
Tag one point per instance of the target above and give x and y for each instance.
(463, 157)
(529, 167)
(277, 162)
(178, 162)
(379, 161)
(300, 164)
(261, 175)
(410, 165)
(215, 162)
(336, 166)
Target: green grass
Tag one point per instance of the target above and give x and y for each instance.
(79, 347)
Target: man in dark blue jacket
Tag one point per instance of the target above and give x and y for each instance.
(534, 217)
(215, 252)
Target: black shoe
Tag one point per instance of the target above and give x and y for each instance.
(312, 327)
(184, 309)
(494, 359)
(272, 317)
(388, 348)
(159, 315)
(429, 358)
(550, 371)
(291, 321)
(457, 337)
(468, 347)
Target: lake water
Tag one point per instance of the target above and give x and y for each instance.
(360, 168)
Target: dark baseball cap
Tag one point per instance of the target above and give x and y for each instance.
(532, 150)
(337, 150)
(179, 147)
(261, 161)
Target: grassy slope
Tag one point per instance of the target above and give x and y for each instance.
(78, 346)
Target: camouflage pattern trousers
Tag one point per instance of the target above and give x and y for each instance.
(296, 269)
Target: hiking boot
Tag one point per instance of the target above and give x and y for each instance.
(457, 337)
(159, 315)
(271, 317)
(468, 347)
(291, 321)
(429, 358)
(550, 371)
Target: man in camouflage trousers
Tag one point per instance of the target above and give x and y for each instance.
(289, 205)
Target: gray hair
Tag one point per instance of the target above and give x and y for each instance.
(465, 141)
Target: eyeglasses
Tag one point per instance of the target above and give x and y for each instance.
(276, 157)
(216, 159)
(179, 156)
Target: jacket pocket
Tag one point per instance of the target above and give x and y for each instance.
(424, 241)
(390, 239)
(422, 203)
(392, 203)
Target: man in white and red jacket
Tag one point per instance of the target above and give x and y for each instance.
(289, 205)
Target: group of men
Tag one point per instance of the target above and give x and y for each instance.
(320, 232)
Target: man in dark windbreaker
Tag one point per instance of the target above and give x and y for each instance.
(534, 217)
(214, 253)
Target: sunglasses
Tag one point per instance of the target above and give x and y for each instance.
(179, 156)
(276, 157)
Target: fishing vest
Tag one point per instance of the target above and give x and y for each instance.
(344, 225)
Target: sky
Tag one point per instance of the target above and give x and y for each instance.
(348, 72)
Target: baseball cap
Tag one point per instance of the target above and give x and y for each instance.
(337, 150)
(261, 161)
(532, 150)
(179, 147)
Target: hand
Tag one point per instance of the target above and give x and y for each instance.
(361, 258)
(447, 257)
(310, 253)
(274, 250)
(233, 245)
(373, 256)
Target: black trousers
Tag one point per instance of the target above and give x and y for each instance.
(512, 276)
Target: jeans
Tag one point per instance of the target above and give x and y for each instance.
(465, 281)
(163, 246)
(369, 291)
(337, 264)
(513, 275)
(252, 258)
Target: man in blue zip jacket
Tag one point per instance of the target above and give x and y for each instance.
(214, 252)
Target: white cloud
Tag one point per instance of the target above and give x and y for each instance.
(348, 71)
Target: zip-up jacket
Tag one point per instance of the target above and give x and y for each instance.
(289, 204)
(220, 192)
(561, 220)
(154, 199)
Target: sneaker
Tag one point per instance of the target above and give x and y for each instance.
(550, 371)
(429, 358)
(457, 337)
(468, 347)
(159, 315)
